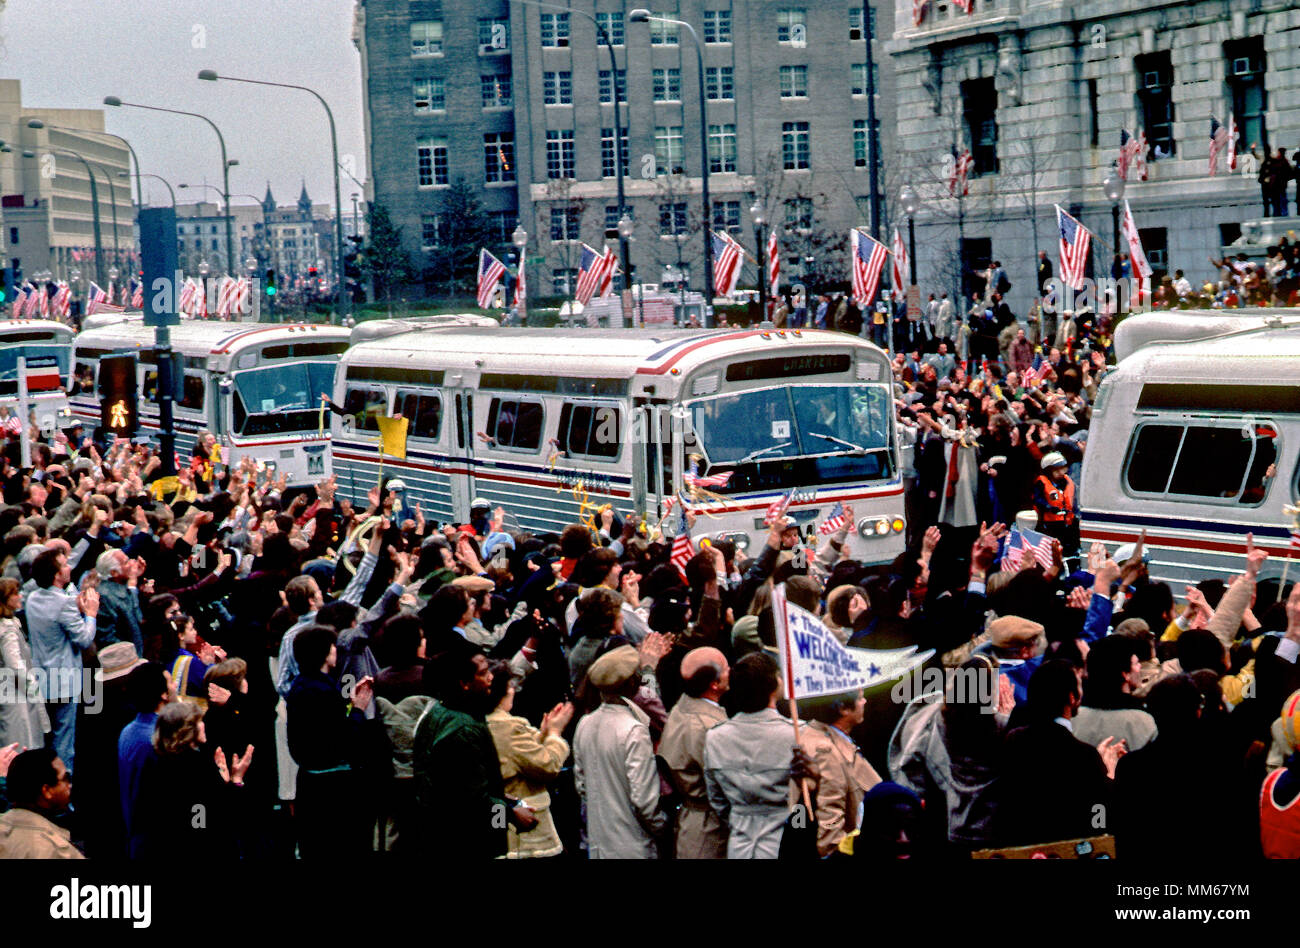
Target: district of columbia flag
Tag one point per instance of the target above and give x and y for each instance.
(1074, 248)
(868, 260)
(727, 256)
(1138, 258)
(834, 521)
(1219, 140)
(521, 283)
(609, 264)
(490, 273)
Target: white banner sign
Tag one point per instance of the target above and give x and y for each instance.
(814, 663)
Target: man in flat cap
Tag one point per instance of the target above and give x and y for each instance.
(1018, 644)
(705, 673)
(614, 764)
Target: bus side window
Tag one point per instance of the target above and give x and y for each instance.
(515, 424)
(1257, 480)
(589, 430)
(1212, 463)
(1152, 458)
(424, 413)
(365, 405)
(83, 379)
(192, 392)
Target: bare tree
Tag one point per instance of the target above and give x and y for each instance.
(563, 246)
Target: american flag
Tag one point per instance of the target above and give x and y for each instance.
(1074, 248)
(99, 302)
(777, 508)
(834, 521)
(898, 266)
(1022, 542)
(242, 290)
(918, 11)
(43, 298)
(693, 479)
(63, 300)
(773, 268)
(727, 256)
(961, 165)
(490, 272)
(1295, 539)
(868, 260)
(1219, 140)
(137, 294)
(201, 300)
(225, 294)
(1030, 377)
(1128, 147)
(682, 549)
(967, 5)
(1140, 158)
(592, 272)
(31, 303)
(186, 302)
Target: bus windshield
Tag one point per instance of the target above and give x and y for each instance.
(280, 398)
(9, 362)
(796, 435)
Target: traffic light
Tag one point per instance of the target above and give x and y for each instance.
(269, 284)
(117, 396)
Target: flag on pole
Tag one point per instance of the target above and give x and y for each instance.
(773, 268)
(1074, 248)
(1218, 142)
(961, 166)
(898, 267)
(1295, 539)
(224, 297)
(392, 436)
(201, 300)
(692, 477)
(727, 256)
(1232, 141)
(682, 549)
(490, 273)
(609, 264)
(63, 300)
(834, 520)
(43, 294)
(1137, 257)
(521, 283)
(31, 304)
(186, 302)
(591, 273)
(777, 508)
(868, 260)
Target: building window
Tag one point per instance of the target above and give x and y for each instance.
(855, 23)
(607, 87)
(555, 29)
(563, 280)
(669, 157)
(717, 26)
(611, 220)
(612, 23)
(215, 244)
(859, 77)
(497, 91)
(1094, 130)
(565, 223)
(794, 82)
(501, 226)
(430, 95)
(795, 146)
(672, 219)
(559, 154)
(662, 34)
(1156, 100)
(1245, 67)
(722, 149)
(493, 35)
(1155, 244)
(426, 38)
(557, 88)
(430, 231)
(980, 108)
(859, 143)
(608, 166)
(719, 82)
(726, 216)
(667, 85)
(431, 154)
(791, 27)
(799, 213)
(499, 157)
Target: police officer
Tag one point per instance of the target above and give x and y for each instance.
(1055, 502)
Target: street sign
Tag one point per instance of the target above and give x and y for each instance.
(913, 302)
(535, 261)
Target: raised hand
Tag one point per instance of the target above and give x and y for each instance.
(1255, 557)
(655, 646)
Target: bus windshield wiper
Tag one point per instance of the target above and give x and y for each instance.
(855, 448)
(761, 451)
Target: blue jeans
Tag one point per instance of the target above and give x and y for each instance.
(63, 725)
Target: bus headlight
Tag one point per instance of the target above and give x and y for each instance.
(741, 540)
(872, 527)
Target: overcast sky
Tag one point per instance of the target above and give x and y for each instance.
(72, 53)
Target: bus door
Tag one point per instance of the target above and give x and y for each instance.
(462, 451)
(652, 478)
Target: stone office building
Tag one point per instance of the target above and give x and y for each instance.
(1040, 91)
(518, 101)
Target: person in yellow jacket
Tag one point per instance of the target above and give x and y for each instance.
(530, 759)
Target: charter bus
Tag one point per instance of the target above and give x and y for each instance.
(1183, 435)
(257, 387)
(554, 423)
(34, 339)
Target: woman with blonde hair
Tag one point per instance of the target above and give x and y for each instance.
(22, 718)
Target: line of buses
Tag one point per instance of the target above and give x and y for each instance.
(1190, 444)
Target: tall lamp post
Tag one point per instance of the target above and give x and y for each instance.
(625, 229)
(146, 174)
(644, 16)
(520, 239)
(911, 203)
(756, 214)
(211, 75)
(113, 100)
(1113, 185)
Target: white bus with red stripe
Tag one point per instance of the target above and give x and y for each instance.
(255, 386)
(38, 341)
(553, 423)
(1182, 437)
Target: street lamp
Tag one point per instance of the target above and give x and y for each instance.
(1113, 185)
(210, 75)
(113, 100)
(146, 174)
(911, 203)
(520, 239)
(94, 208)
(644, 16)
(625, 228)
(760, 220)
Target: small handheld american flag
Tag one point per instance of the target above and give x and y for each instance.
(683, 549)
(777, 508)
(834, 521)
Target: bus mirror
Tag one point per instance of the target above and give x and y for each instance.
(226, 384)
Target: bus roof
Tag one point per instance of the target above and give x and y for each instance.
(590, 353)
(1257, 351)
(202, 338)
(9, 327)
(1185, 325)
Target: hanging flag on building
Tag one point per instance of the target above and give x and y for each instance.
(727, 257)
(918, 11)
(1219, 141)
(1232, 141)
(898, 268)
(967, 5)
(1074, 248)
(1128, 148)
(773, 268)
(962, 161)
(1139, 163)
(868, 260)
(490, 272)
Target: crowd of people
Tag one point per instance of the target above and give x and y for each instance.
(240, 670)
